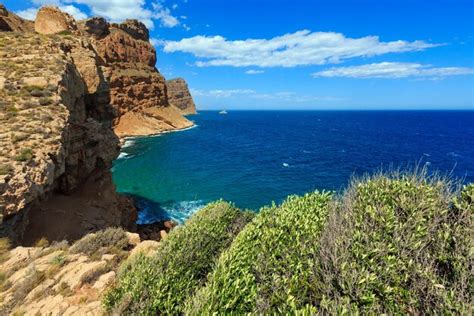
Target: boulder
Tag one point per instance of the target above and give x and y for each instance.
(136, 29)
(51, 20)
(97, 27)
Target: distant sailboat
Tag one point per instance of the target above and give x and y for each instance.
(223, 112)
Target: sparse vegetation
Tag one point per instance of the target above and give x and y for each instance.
(42, 243)
(4, 248)
(25, 155)
(28, 283)
(111, 240)
(5, 169)
(45, 101)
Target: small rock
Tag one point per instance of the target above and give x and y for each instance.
(133, 238)
(147, 247)
(108, 257)
(104, 280)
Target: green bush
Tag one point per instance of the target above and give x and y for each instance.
(160, 284)
(269, 265)
(5, 169)
(104, 241)
(396, 245)
(26, 154)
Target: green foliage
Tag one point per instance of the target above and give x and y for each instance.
(396, 246)
(58, 260)
(160, 284)
(45, 101)
(268, 267)
(110, 240)
(5, 169)
(26, 154)
(4, 249)
(391, 244)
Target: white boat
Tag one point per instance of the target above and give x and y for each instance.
(223, 112)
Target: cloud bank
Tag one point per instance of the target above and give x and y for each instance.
(394, 70)
(113, 10)
(290, 50)
(252, 94)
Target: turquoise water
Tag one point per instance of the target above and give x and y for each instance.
(253, 158)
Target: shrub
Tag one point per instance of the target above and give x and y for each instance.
(268, 267)
(160, 284)
(4, 249)
(59, 260)
(45, 101)
(5, 169)
(396, 245)
(42, 243)
(101, 242)
(26, 154)
(28, 283)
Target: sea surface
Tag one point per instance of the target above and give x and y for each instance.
(255, 157)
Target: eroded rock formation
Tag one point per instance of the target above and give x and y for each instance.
(51, 20)
(179, 96)
(65, 101)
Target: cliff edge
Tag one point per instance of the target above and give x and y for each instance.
(68, 92)
(179, 96)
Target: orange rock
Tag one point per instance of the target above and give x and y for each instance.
(51, 20)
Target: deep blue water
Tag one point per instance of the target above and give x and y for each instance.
(253, 158)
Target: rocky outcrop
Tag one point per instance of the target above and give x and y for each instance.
(57, 142)
(96, 27)
(63, 279)
(137, 89)
(10, 22)
(179, 96)
(66, 99)
(51, 20)
(136, 29)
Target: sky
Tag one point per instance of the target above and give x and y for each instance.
(301, 55)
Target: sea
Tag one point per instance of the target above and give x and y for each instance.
(254, 158)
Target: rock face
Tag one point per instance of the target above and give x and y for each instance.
(11, 22)
(179, 96)
(136, 29)
(137, 90)
(66, 98)
(60, 279)
(51, 20)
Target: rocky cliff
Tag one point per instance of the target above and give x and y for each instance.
(69, 91)
(179, 96)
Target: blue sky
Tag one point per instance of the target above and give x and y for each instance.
(367, 54)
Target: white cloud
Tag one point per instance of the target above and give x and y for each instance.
(30, 13)
(156, 41)
(74, 11)
(254, 72)
(164, 15)
(252, 94)
(290, 50)
(222, 93)
(394, 70)
(113, 10)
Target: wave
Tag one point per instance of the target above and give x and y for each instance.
(177, 211)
